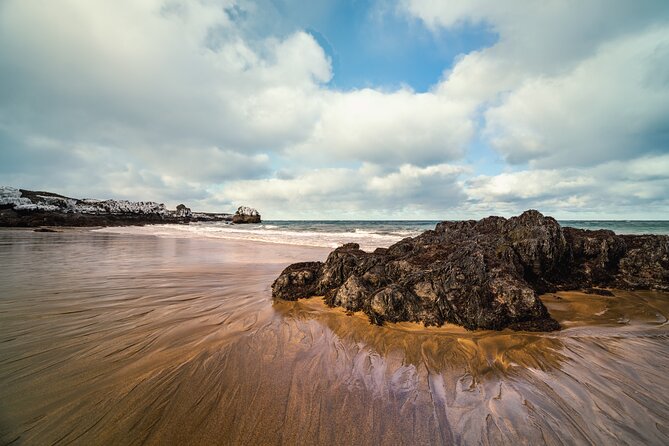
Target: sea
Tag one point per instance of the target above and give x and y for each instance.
(368, 234)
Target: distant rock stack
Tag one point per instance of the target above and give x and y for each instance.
(183, 211)
(246, 214)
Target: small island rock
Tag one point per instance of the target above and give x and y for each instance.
(246, 214)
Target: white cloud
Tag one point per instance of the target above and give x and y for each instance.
(389, 128)
(528, 185)
(568, 82)
(613, 105)
(139, 74)
(178, 88)
(541, 37)
(366, 192)
(617, 189)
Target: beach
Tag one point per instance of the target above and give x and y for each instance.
(110, 338)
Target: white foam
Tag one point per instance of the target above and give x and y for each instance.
(367, 239)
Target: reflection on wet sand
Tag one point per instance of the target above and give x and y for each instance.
(478, 354)
(121, 339)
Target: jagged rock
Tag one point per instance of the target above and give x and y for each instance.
(479, 274)
(297, 281)
(595, 256)
(645, 264)
(246, 214)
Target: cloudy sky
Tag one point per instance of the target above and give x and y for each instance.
(400, 109)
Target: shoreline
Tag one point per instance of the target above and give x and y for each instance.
(286, 253)
(103, 230)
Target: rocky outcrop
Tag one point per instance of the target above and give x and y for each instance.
(183, 211)
(246, 214)
(25, 208)
(479, 274)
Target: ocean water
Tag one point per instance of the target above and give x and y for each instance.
(369, 234)
(622, 226)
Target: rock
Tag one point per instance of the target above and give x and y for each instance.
(246, 214)
(183, 211)
(645, 264)
(299, 280)
(596, 255)
(479, 274)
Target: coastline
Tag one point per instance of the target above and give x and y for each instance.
(29, 208)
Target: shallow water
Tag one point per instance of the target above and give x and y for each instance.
(119, 339)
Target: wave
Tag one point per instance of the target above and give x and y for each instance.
(368, 239)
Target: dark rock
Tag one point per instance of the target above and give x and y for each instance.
(44, 230)
(479, 274)
(183, 211)
(645, 264)
(596, 255)
(297, 281)
(246, 214)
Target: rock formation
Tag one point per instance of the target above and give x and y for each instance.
(25, 208)
(183, 211)
(246, 214)
(479, 274)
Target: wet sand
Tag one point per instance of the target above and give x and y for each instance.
(119, 339)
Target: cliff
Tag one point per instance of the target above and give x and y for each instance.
(25, 208)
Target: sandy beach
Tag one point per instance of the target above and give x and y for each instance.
(134, 339)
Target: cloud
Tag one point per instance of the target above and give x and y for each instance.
(389, 128)
(616, 189)
(227, 102)
(613, 105)
(529, 185)
(139, 78)
(574, 94)
(182, 89)
(568, 82)
(366, 192)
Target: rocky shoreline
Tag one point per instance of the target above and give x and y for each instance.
(25, 208)
(484, 274)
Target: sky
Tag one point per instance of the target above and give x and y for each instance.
(350, 109)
